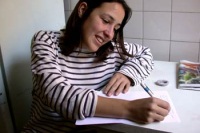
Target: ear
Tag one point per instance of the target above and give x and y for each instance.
(82, 8)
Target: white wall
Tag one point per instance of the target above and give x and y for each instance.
(19, 20)
(6, 125)
(171, 28)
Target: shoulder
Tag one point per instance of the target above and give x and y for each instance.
(47, 36)
(130, 46)
(127, 44)
(135, 47)
(48, 40)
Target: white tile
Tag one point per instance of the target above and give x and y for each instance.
(159, 49)
(157, 5)
(73, 4)
(184, 50)
(130, 40)
(186, 5)
(133, 28)
(186, 27)
(67, 5)
(157, 25)
(135, 5)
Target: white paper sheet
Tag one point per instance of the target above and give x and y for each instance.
(131, 95)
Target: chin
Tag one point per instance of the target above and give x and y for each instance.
(94, 49)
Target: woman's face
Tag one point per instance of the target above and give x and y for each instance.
(99, 28)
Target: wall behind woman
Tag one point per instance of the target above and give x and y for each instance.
(171, 28)
(19, 21)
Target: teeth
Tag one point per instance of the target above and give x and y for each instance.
(99, 39)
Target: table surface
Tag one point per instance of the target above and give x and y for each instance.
(186, 102)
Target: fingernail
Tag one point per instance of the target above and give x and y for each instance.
(124, 91)
(109, 94)
(116, 94)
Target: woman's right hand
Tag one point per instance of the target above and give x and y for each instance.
(147, 110)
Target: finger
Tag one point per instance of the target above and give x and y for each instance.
(160, 108)
(163, 104)
(127, 87)
(120, 88)
(123, 88)
(153, 116)
(158, 117)
(162, 111)
(109, 85)
(114, 88)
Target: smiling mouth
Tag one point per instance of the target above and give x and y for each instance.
(100, 40)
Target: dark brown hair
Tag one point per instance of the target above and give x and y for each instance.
(72, 33)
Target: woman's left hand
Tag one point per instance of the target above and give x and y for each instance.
(119, 83)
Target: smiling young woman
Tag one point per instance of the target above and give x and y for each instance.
(90, 55)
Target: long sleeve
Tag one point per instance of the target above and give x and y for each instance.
(53, 89)
(140, 65)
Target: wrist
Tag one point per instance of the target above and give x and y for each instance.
(126, 110)
(115, 108)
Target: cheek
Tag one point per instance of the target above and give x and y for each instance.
(94, 24)
(95, 27)
(91, 27)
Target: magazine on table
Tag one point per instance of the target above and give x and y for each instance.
(189, 75)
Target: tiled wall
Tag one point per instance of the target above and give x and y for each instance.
(171, 28)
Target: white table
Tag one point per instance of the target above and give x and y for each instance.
(186, 102)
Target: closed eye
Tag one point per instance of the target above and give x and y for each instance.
(106, 21)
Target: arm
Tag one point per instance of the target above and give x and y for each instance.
(140, 66)
(54, 89)
(142, 111)
(133, 71)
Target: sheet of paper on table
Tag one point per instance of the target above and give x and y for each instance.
(131, 95)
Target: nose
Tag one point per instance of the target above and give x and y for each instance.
(109, 32)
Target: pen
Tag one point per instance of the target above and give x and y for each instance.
(144, 86)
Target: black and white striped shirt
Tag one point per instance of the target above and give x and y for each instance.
(64, 86)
